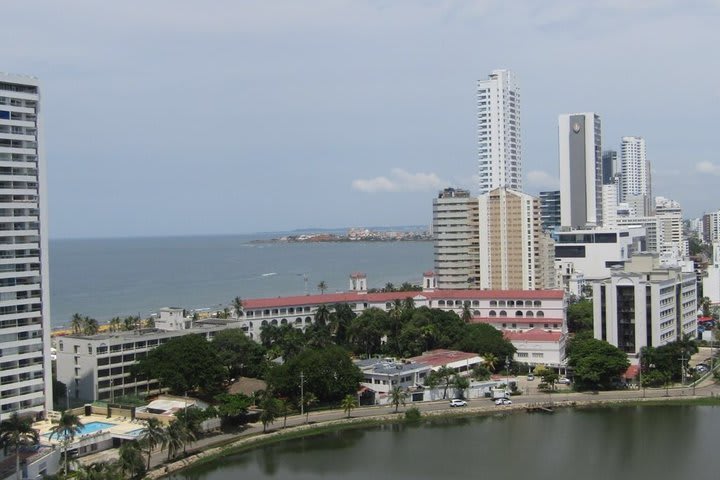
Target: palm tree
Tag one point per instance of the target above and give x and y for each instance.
(115, 324)
(348, 403)
(76, 323)
(130, 459)
(466, 313)
(398, 396)
(284, 408)
(490, 361)
(153, 436)
(16, 432)
(389, 287)
(322, 315)
(130, 322)
(176, 436)
(99, 471)
(237, 306)
(65, 430)
(90, 326)
(322, 286)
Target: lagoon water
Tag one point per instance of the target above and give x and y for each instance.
(638, 443)
(103, 278)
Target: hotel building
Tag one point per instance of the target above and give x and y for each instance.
(25, 370)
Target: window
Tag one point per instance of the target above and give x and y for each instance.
(503, 313)
(518, 313)
(493, 313)
(540, 314)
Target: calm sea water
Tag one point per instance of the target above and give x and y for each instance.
(103, 278)
(655, 443)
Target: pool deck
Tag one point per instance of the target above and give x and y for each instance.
(122, 426)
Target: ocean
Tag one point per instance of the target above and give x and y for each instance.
(103, 278)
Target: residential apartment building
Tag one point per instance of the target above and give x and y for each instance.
(550, 210)
(644, 304)
(25, 369)
(669, 215)
(515, 252)
(710, 227)
(455, 233)
(499, 145)
(634, 170)
(99, 367)
(580, 170)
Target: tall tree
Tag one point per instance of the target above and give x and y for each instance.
(177, 435)
(90, 326)
(348, 404)
(595, 362)
(490, 361)
(68, 426)
(16, 432)
(152, 437)
(184, 364)
(270, 411)
(115, 324)
(322, 315)
(441, 377)
(237, 305)
(466, 313)
(131, 459)
(238, 354)
(308, 400)
(398, 396)
(322, 286)
(76, 323)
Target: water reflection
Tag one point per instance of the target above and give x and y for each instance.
(658, 443)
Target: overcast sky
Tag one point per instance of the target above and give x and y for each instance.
(174, 117)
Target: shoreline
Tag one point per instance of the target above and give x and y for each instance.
(242, 444)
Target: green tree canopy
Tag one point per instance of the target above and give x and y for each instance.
(238, 354)
(184, 364)
(485, 339)
(580, 315)
(595, 362)
(329, 373)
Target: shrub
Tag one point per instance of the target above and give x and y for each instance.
(412, 414)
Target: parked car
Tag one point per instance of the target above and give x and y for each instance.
(530, 377)
(507, 401)
(499, 401)
(458, 402)
(564, 381)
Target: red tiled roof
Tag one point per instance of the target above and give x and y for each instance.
(326, 298)
(429, 274)
(515, 320)
(533, 335)
(632, 371)
(351, 297)
(437, 358)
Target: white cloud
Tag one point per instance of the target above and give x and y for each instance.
(708, 167)
(400, 180)
(540, 179)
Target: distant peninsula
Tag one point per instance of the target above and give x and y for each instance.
(355, 235)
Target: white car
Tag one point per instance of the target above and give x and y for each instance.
(457, 402)
(564, 381)
(506, 401)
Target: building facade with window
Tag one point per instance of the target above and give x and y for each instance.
(644, 304)
(455, 236)
(25, 366)
(99, 367)
(499, 145)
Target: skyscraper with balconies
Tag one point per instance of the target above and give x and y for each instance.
(25, 368)
(499, 146)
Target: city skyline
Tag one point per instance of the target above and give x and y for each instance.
(184, 119)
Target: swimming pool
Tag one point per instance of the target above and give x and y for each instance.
(87, 428)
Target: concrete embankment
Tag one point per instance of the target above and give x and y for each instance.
(255, 440)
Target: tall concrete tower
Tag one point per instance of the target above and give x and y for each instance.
(499, 145)
(26, 385)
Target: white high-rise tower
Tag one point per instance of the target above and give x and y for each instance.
(634, 170)
(499, 146)
(25, 368)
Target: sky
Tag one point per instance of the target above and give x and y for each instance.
(176, 117)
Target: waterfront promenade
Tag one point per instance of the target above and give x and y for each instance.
(209, 446)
